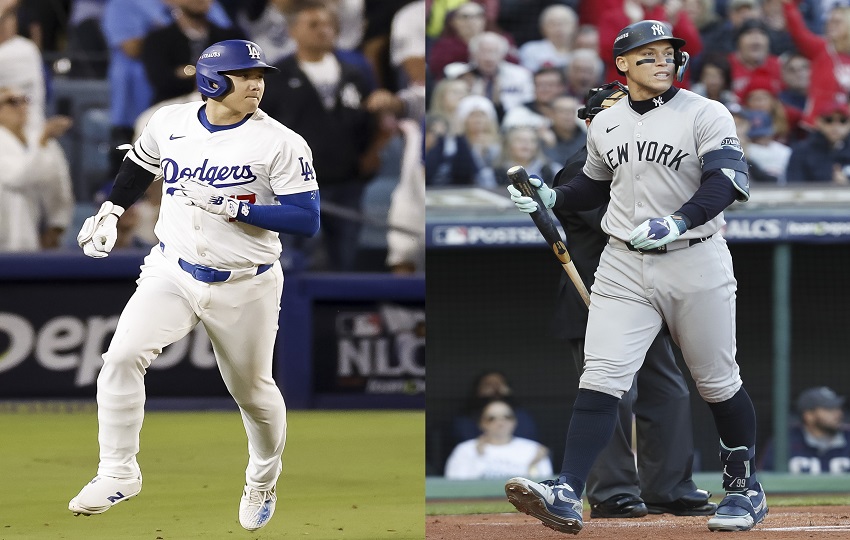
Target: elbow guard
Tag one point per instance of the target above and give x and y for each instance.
(734, 166)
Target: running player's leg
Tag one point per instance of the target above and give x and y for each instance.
(159, 313)
(242, 322)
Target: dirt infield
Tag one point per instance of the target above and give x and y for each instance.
(792, 522)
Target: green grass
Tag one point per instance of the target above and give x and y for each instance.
(346, 475)
(497, 506)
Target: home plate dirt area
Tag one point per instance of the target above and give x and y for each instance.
(791, 522)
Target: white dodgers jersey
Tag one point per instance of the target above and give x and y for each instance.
(253, 161)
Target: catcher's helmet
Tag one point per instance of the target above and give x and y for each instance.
(601, 98)
(224, 56)
(644, 32)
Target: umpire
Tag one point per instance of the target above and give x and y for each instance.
(659, 396)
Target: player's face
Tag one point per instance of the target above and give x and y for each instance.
(649, 69)
(248, 87)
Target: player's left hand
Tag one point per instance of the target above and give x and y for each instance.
(193, 192)
(656, 232)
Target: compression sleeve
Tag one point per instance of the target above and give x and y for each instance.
(715, 193)
(297, 213)
(581, 193)
(130, 183)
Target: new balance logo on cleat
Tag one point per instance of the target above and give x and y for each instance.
(117, 497)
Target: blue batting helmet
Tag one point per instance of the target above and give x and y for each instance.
(230, 55)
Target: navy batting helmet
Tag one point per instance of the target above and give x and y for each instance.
(644, 32)
(601, 98)
(230, 55)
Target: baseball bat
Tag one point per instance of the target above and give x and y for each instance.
(519, 178)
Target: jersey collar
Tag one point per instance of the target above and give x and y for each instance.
(643, 107)
(202, 116)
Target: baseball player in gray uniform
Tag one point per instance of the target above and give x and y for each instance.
(232, 179)
(659, 481)
(672, 163)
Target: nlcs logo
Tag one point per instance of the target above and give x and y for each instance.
(253, 51)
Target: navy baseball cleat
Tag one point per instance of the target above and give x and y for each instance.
(740, 511)
(552, 501)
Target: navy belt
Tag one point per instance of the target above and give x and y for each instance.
(663, 249)
(211, 275)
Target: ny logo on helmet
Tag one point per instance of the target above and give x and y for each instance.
(657, 30)
(253, 51)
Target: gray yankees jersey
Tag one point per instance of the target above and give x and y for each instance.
(653, 160)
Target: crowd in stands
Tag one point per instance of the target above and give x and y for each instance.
(351, 82)
(506, 77)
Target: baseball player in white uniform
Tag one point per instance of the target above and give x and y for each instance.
(233, 178)
(672, 162)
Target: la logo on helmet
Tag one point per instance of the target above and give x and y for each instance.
(253, 51)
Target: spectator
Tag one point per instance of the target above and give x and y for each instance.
(583, 72)
(820, 444)
(752, 56)
(716, 37)
(796, 74)
(497, 453)
(774, 18)
(351, 17)
(829, 56)
(522, 146)
(407, 44)
(518, 16)
(549, 83)
(569, 137)
(488, 386)
(823, 156)
(558, 25)
(445, 98)
(169, 53)
(464, 23)
(45, 22)
(714, 79)
(35, 184)
(21, 66)
(125, 25)
(507, 85)
(86, 47)
(438, 15)
(265, 23)
(587, 37)
(480, 128)
(770, 155)
(762, 94)
(405, 251)
(322, 97)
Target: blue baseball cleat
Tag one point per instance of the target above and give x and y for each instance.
(740, 511)
(552, 501)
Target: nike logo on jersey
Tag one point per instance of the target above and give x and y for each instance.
(610, 129)
(173, 136)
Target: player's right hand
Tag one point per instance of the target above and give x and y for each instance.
(99, 232)
(529, 205)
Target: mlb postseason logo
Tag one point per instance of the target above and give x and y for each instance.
(253, 51)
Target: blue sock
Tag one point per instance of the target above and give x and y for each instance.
(591, 427)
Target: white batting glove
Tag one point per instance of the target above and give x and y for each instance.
(196, 193)
(529, 205)
(99, 232)
(656, 232)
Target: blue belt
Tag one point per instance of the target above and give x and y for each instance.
(207, 274)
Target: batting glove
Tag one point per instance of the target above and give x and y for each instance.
(196, 193)
(529, 205)
(99, 232)
(656, 232)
